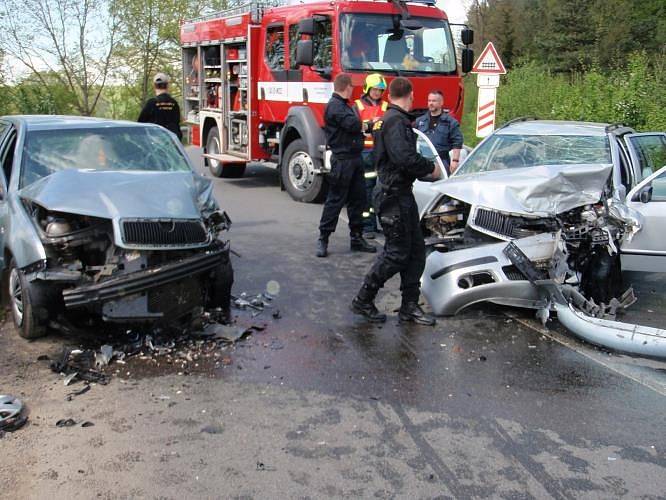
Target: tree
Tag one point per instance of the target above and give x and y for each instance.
(70, 40)
(149, 39)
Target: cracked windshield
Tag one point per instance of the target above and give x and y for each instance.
(512, 151)
(379, 43)
(47, 152)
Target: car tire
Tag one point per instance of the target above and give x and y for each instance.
(214, 147)
(30, 319)
(298, 173)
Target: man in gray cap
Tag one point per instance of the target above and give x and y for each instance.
(162, 109)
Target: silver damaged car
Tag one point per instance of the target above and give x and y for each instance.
(106, 221)
(545, 215)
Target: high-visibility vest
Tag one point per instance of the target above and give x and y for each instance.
(368, 112)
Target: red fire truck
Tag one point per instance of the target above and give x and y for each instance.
(257, 77)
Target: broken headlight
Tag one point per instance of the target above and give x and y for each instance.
(60, 228)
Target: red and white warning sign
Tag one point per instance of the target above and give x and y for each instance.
(489, 62)
(485, 111)
(488, 68)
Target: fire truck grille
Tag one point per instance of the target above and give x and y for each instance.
(163, 232)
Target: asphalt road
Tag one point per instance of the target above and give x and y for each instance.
(321, 404)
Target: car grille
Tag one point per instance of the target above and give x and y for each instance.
(163, 232)
(512, 226)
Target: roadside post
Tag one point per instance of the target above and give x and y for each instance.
(488, 68)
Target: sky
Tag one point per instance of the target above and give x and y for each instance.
(455, 9)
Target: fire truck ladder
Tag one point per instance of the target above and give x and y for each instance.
(256, 9)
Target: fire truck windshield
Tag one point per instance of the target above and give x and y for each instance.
(379, 43)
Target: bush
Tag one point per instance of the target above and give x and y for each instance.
(634, 95)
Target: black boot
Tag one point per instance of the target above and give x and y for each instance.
(322, 246)
(358, 244)
(411, 311)
(364, 305)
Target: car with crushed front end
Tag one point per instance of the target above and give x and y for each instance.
(106, 221)
(545, 212)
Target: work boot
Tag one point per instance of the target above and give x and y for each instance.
(411, 311)
(364, 304)
(358, 244)
(322, 246)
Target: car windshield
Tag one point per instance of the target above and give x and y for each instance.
(377, 42)
(112, 148)
(503, 151)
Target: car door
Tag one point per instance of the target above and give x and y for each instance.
(423, 194)
(647, 249)
(7, 143)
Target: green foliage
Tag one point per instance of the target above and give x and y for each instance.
(34, 97)
(634, 95)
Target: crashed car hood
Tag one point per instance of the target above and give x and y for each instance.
(113, 195)
(542, 190)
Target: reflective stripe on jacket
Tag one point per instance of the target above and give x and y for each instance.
(368, 111)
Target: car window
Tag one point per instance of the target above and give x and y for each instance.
(651, 152)
(294, 37)
(111, 148)
(275, 47)
(323, 43)
(502, 152)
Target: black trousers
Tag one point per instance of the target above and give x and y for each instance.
(404, 247)
(346, 187)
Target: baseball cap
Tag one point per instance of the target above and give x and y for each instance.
(161, 78)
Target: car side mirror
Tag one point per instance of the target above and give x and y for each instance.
(306, 26)
(305, 52)
(467, 60)
(645, 194)
(467, 36)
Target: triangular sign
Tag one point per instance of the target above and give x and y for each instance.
(489, 62)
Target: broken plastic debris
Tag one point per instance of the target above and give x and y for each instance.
(72, 395)
(277, 314)
(264, 467)
(103, 358)
(226, 333)
(11, 417)
(68, 422)
(87, 424)
(70, 378)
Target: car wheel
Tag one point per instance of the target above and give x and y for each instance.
(298, 173)
(30, 320)
(213, 147)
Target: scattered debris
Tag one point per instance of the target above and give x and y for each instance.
(213, 429)
(76, 363)
(264, 467)
(87, 424)
(72, 395)
(43, 357)
(277, 314)
(68, 422)
(227, 333)
(11, 414)
(104, 357)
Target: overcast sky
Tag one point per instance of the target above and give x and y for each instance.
(455, 9)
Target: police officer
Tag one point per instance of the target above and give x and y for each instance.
(344, 136)
(162, 109)
(443, 131)
(398, 166)
(370, 108)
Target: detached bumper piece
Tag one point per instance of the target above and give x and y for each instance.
(122, 286)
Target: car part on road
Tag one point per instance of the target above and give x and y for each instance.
(11, 414)
(66, 422)
(72, 395)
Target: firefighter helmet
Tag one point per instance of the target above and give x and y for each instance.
(374, 81)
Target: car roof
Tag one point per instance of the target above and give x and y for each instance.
(553, 127)
(56, 122)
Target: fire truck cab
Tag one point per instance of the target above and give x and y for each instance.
(258, 77)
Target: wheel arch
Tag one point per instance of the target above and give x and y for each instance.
(302, 124)
(208, 124)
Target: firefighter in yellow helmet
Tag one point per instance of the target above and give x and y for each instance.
(370, 107)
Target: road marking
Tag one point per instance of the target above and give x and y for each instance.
(557, 337)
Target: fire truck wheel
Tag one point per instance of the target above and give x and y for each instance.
(213, 148)
(298, 173)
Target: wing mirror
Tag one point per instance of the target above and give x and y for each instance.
(467, 60)
(305, 52)
(645, 194)
(467, 36)
(306, 26)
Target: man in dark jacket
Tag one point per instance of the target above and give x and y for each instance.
(398, 166)
(344, 136)
(443, 131)
(162, 109)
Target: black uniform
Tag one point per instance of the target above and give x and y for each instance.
(398, 166)
(344, 136)
(162, 110)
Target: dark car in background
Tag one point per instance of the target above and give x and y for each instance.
(106, 221)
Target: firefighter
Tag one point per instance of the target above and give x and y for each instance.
(344, 136)
(162, 109)
(443, 131)
(398, 166)
(370, 108)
